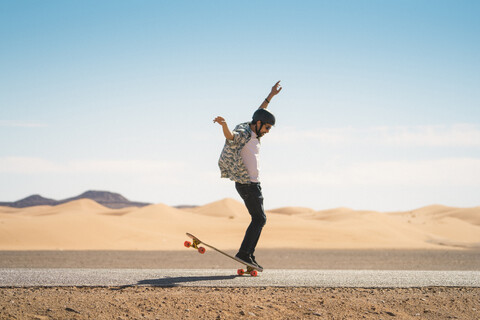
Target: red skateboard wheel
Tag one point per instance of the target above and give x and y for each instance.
(240, 272)
(187, 244)
(201, 250)
(254, 273)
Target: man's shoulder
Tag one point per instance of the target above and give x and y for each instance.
(243, 133)
(243, 127)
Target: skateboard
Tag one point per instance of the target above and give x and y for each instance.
(251, 269)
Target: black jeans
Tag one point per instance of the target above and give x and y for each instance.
(252, 196)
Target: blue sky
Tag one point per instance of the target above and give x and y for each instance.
(380, 107)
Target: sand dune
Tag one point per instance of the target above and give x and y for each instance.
(470, 215)
(292, 210)
(87, 225)
(227, 208)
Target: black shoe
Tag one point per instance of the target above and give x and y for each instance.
(255, 262)
(245, 258)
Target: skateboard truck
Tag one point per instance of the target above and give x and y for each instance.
(250, 270)
(194, 245)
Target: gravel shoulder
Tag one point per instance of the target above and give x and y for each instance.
(239, 303)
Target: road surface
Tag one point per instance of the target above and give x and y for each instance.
(25, 277)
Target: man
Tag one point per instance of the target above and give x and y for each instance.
(239, 162)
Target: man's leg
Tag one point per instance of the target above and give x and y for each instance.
(253, 198)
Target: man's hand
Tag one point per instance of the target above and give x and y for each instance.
(275, 90)
(226, 132)
(221, 121)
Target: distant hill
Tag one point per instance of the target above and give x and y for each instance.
(105, 198)
(185, 206)
(33, 200)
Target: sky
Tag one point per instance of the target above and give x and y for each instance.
(380, 107)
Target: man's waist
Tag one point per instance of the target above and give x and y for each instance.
(248, 184)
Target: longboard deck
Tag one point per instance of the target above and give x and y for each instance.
(251, 266)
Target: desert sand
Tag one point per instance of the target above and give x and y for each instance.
(87, 225)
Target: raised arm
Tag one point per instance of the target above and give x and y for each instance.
(226, 131)
(275, 90)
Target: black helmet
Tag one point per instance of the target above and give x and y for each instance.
(263, 115)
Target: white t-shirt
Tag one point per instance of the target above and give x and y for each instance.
(250, 155)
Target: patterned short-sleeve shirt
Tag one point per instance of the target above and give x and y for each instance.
(231, 162)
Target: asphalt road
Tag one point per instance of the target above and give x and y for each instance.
(24, 277)
(321, 259)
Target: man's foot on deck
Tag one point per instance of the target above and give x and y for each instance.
(244, 257)
(255, 262)
(249, 260)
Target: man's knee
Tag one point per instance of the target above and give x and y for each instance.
(260, 220)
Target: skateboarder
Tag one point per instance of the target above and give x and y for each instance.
(239, 162)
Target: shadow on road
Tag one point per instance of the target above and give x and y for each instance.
(175, 281)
